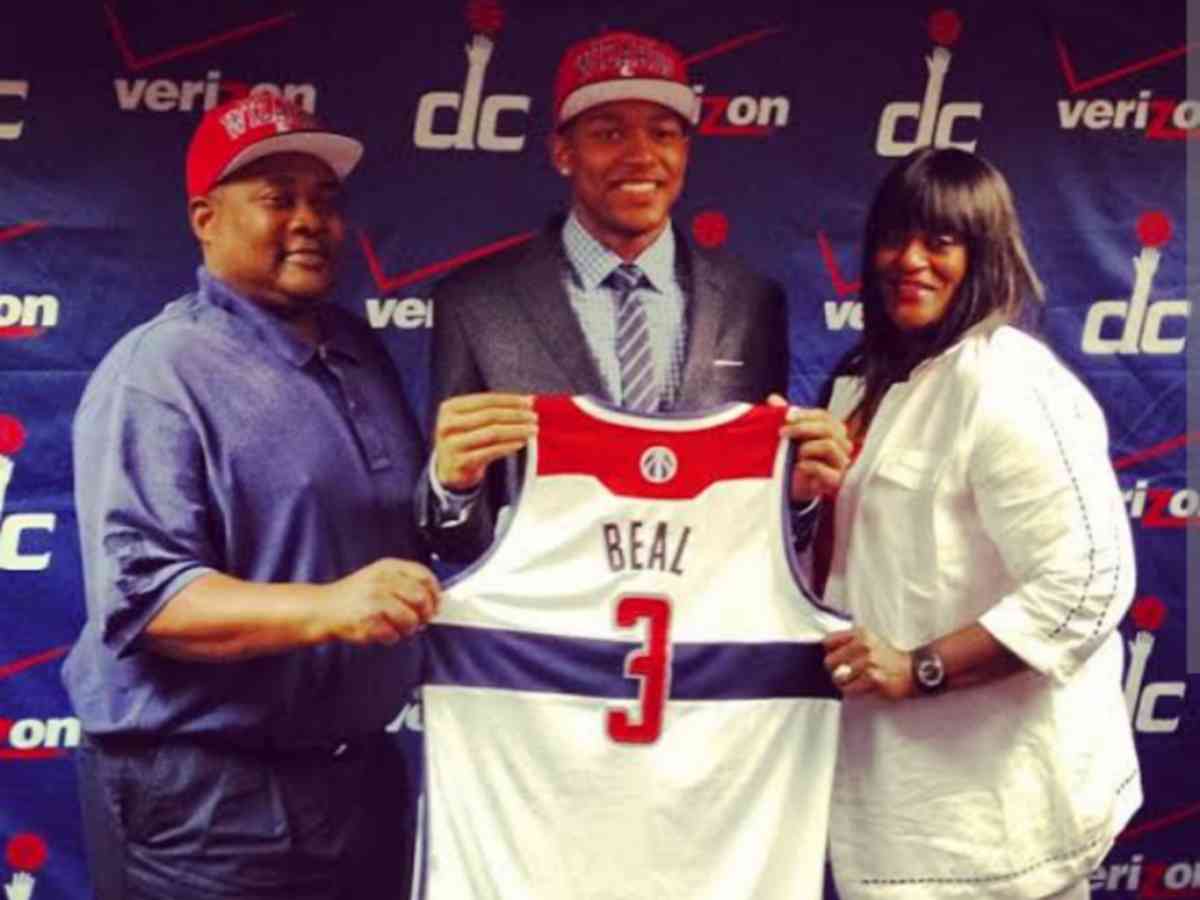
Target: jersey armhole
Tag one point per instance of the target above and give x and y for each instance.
(782, 536)
(500, 537)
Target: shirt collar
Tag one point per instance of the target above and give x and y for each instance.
(593, 262)
(982, 328)
(269, 328)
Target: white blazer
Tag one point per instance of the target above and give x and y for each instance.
(984, 493)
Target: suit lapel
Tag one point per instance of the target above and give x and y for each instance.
(539, 288)
(702, 284)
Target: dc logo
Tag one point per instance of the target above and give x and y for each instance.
(659, 465)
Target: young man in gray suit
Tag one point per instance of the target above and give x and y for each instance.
(610, 300)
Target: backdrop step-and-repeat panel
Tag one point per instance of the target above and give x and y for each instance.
(805, 105)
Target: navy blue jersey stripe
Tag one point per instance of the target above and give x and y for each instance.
(517, 660)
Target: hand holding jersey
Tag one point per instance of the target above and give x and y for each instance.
(381, 602)
(475, 430)
(823, 450)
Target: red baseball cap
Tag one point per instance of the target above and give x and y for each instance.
(257, 125)
(622, 65)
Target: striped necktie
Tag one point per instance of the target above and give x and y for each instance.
(639, 388)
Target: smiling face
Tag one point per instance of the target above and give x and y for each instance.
(919, 274)
(626, 161)
(272, 230)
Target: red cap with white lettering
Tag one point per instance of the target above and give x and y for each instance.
(622, 65)
(257, 125)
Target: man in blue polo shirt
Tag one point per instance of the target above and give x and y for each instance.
(249, 555)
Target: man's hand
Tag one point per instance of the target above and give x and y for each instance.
(823, 450)
(19, 887)
(861, 662)
(380, 603)
(475, 430)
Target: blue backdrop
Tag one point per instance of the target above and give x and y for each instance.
(1083, 106)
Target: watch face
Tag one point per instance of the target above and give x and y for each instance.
(930, 672)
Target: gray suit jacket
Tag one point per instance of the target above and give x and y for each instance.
(506, 324)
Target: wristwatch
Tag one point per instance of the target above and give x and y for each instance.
(928, 670)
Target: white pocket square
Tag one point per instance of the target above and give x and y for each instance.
(728, 362)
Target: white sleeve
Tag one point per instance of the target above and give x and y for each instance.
(1049, 500)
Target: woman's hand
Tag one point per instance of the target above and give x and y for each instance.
(861, 662)
(823, 450)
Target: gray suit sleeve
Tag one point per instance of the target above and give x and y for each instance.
(454, 373)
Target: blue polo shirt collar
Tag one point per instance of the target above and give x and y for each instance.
(269, 328)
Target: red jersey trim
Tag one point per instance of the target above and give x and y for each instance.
(633, 458)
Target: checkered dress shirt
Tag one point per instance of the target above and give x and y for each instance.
(595, 304)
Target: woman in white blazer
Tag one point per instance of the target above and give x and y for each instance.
(980, 543)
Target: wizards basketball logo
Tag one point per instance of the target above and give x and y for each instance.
(478, 117)
(15, 554)
(936, 123)
(1139, 325)
(25, 855)
(1154, 706)
(659, 465)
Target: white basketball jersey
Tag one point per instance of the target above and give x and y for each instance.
(626, 698)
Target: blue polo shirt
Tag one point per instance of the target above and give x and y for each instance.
(213, 439)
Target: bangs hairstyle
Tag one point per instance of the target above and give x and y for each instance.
(936, 192)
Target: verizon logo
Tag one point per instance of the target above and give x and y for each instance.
(169, 95)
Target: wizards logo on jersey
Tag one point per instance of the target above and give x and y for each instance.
(658, 465)
(670, 460)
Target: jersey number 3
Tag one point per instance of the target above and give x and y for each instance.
(650, 664)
